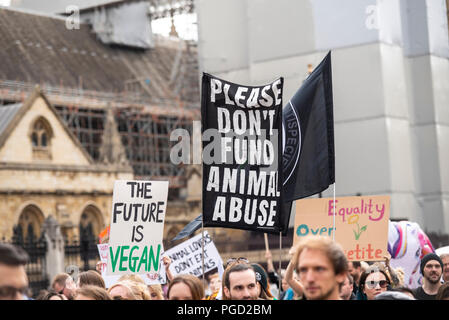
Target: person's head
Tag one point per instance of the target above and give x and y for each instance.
(347, 287)
(405, 290)
(92, 292)
(64, 284)
(50, 295)
(355, 270)
(214, 282)
(393, 295)
(137, 285)
(431, 268)
(240, 283)
(141, 291)
(443, 292)
(13, 277)
(233, 261)
(121, 290)
(400, 274)
(321, 266)
(90, 277)
(156, 292)
(262, 282)
(445, 259)
(373, 281)
(185, 287)
(132, 277)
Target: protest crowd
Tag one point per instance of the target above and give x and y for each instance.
(318, 270)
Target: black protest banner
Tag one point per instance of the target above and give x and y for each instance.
(241, 127)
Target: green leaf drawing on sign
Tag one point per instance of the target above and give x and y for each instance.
(359, 231)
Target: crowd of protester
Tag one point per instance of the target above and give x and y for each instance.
(318, 270)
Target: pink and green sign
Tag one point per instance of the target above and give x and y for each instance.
(361, 224)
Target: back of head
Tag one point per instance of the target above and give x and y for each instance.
(331, 249)
(195, 285)
(12, 255)
(93, 292)
(91, 277)
(393, 295)
(58, 281)
(262, 279)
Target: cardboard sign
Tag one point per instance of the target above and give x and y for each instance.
(187, 257)
(361, 224)
(137, 225)
(149, 278)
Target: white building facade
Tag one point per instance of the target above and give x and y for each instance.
(390, 61)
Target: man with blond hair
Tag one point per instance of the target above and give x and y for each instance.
(322, 267)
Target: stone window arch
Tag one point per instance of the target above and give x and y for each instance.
(41, 134)
(91, 223)
(29, 225)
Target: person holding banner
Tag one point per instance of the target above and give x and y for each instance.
(295, 285)
(322, 267)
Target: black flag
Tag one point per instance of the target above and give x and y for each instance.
(190, 228)
(308, 142)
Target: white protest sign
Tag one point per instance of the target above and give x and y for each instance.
(149, 278)
(187, 257)
(137, 225)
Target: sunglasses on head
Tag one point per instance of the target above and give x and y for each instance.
(233, 260)
(372, 284)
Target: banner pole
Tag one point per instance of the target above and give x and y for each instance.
(267, 248)
(280, 266)
(335, 213)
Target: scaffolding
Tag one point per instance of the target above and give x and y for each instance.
(143, 126)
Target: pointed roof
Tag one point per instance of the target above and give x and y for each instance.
(10, 116)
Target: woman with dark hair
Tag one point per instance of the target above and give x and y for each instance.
(262, 280)
(373, 281)
(51, 295)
